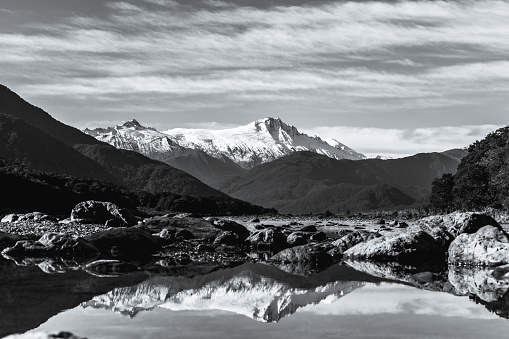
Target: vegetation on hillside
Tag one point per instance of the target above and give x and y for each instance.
(482, 179)
(28, 190)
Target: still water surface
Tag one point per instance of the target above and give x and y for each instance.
(248, 301)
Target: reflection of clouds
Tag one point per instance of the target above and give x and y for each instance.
(398, 299)
(404, 142)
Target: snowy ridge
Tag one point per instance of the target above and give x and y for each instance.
(247, 293)
(261, 141)
(133, 136)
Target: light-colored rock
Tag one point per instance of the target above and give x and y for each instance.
(489, 246)
(10, 218)
(405, 246)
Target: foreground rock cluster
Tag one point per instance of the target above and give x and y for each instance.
(111, 238)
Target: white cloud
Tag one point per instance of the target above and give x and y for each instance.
(397, 143)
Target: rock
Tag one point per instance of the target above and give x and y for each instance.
(232, 226)
(489, 246)
(208, 228)
(126, 242)
(319, 236)
(269, 239)
(425, 277)
(184, 234)
(444, 228)
(380, 222)
(309, 253)
(255, 220)
(353, 239)
(36, 217)
(54, 245)
(100, 212)
(297, 239)
(10, 218)
(501, 272)
(227, 238)
(413, 246)
(310, 228)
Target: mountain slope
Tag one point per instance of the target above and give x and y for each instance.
(306, 182)
(130, 169)
(258, 142)
(159, 146)
(23, 143)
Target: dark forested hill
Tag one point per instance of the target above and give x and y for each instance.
(307, 182)
(25, 190)
(130, 169)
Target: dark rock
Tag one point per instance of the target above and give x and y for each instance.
(319, 236)
(255, 220)
(380, 222)
(130, 242)
(412, 246)
(99, 212)
(184, 234)
(8, 240)
(501, 272)
(54, 245)
(309, 253)
(232, 226)
(489, 246)
(297, 239)
(310, 228)
(269, 239)
(425, 277)
(227, 238)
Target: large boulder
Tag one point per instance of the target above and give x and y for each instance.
(444, 228)
(489, 246)
(125, 242)
(297, 239)
(10, 218)
(309, 253)
(269, 239)
(353, 239)
(101, 212)
(404, 246)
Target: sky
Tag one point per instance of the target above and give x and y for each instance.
(384, 77)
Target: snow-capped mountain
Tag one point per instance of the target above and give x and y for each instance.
(135, 137)
(257, 291)
(259, 142)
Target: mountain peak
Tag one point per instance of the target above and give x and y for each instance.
(132, 123)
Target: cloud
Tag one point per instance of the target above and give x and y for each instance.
(404, 142)
(348, 57)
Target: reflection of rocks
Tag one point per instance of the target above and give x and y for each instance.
(258, 291)
(304, 259)
(412, 246)
(268, 239)
(29, 297)
(478, 281)
(489, 246)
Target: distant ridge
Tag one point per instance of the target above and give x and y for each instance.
(306, 182)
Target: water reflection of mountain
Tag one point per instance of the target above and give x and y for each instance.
(258, 291)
